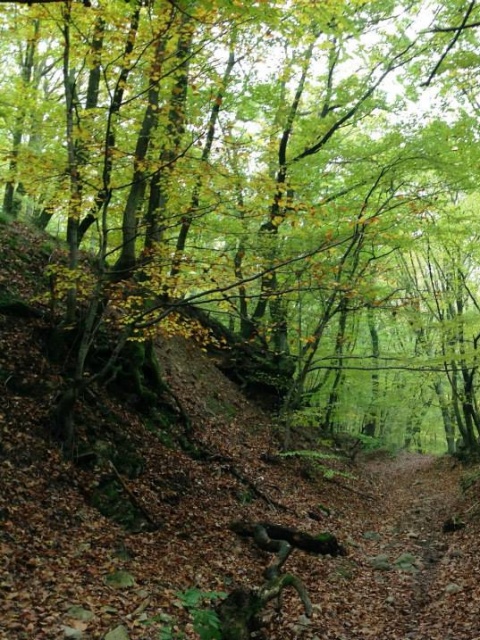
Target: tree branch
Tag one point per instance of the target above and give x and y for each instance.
(451, 44)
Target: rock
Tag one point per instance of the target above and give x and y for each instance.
(109, 609)
(407, 562)
(119, 633)
(344, 570)
(352, 543)
(72, 634)
(413, 535)
(371, 535)
(380, 563)
(453, 588)
(120, 580)
(82, 548)
(302, 623)
(79, 613)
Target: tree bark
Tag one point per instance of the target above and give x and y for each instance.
(448, 423)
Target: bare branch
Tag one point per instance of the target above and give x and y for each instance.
(451, 44)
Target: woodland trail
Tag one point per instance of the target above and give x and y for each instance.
(404, 578)
(406, 546)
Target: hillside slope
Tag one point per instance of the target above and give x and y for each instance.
(169, 508)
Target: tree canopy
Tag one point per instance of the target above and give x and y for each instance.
(305, 172)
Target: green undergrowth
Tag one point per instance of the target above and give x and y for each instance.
(318, 458)
(204, 619)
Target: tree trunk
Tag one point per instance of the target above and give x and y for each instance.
(328, 425)
(75, 196)
(104, 193)
(187, 218)
(445, 409)
(10, 206)
(268, 232)
(371, 425)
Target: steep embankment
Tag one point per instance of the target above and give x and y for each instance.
(59, 557)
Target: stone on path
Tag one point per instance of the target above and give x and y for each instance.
(79, 613)
(407, 562)
(119, 633)
(381, 562)
(120, 580)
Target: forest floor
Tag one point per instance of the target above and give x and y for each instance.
(404, 577)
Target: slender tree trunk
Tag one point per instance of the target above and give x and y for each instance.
(445, 409)
(148, 127)
(471, 419)
(10, 207)
(187, 218)
(456, 404)
(268, 232)
(75, 199)
(155, 216)
(103, 196)
(91, 102)
(93, 88)
(328, 425)
(245, 322)
(413, 434)
(370, 427)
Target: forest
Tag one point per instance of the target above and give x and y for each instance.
(304, 172)
(239, 320)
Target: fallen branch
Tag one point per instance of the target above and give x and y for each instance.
(273, 589)
(368, 496)
(253, 487)
(230, 468)
(135, 501)
(239, 612)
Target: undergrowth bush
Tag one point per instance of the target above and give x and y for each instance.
(370, 443)
(206, 622)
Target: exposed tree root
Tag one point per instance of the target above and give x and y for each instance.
(239, 613)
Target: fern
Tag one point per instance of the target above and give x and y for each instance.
(328, 472)
(308, 453)
(370, 443)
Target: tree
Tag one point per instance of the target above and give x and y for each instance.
(259, 163)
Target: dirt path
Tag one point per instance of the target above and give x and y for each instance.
(406, 544)
(395, 584)
(419, 495)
